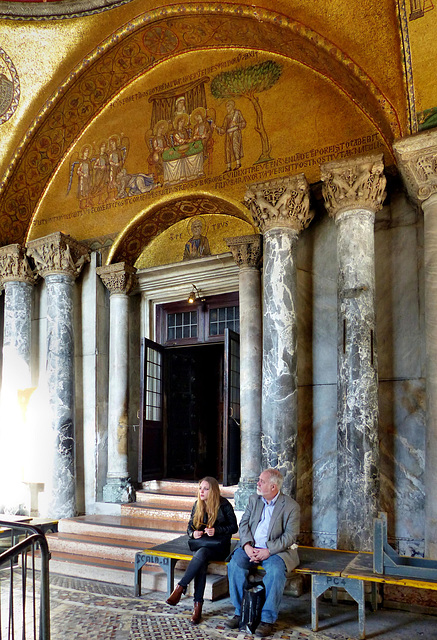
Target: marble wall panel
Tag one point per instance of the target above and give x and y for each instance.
(317, 303)
(402, 445)
(317, 464)
(399, 298)
(91, 386)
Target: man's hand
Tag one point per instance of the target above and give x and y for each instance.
(197, 534)
(261, 554)
(249, 551)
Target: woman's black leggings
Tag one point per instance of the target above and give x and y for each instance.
(197, 569)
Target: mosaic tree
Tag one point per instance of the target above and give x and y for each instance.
(246, 82)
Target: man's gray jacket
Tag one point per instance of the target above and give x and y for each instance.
(283, 528)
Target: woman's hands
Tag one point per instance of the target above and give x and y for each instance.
(210, 531)
(197, 534)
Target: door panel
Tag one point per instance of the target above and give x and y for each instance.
(151, 441)
(231, 409)
(193, 381)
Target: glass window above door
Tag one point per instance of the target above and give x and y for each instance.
(222, 318)
(182, 323)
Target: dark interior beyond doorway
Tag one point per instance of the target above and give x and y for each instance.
(194, 395)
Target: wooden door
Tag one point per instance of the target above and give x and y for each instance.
(151, 441)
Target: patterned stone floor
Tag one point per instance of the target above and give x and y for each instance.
(89, 610)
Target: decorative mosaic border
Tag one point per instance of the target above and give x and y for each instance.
(16, 87)
(54, 10)
(408, 66)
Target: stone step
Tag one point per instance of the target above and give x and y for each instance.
(166, 501)
(122, 573)
(158, 518)
(94, 546)
(180, 487)
(120, 527)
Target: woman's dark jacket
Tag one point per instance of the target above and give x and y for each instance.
(225, 525)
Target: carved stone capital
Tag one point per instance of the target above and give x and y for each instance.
(246, 250)
(280, 203)
(417, 163)
(14, 265)
(58, 254)
(118, 278)
(357, 183)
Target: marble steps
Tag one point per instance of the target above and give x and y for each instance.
(120, 527)
(102, 547)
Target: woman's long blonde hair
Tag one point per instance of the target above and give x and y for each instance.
(210, 506)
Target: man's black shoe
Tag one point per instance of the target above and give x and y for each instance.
(264, 629)
(233, 623)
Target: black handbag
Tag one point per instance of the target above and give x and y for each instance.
(205, 541)
(254, 596)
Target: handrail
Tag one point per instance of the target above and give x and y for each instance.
(39, 538)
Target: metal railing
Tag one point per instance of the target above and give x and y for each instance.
(17, 619)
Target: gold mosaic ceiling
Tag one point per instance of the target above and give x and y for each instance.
(351, 77)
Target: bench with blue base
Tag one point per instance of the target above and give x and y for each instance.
(329, 569)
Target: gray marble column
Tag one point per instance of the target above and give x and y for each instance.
(18, 280)
(417, 161)
(59, 259)
(118, 279)
(353, 192)
(280, 208)
(246, 251)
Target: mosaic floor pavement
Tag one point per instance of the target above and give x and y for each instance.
(88, 610)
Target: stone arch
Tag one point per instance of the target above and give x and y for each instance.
(139, 46)
(135, 237)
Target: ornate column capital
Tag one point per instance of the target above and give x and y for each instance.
(14, 266)
(417, 163)
(118, 278)
(357, 183)
(58, 254)
(246, 250)
(283, 202)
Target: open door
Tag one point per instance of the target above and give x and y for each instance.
(151, 440)
(231, 409)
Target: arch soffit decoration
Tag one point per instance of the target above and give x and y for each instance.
(139, 46)
(131, 242)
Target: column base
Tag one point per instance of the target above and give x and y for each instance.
(119, 490)
(246, 488)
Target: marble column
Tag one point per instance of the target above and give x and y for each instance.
(280, 208)
(119, 279)
(353, 192)
(59, 259)
(417, 161)
(246, 251)
(17, 279)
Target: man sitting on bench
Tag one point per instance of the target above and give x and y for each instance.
(268, 531)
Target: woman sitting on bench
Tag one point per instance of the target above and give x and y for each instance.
(210, 528)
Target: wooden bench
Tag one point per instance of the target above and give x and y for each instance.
(328, 568)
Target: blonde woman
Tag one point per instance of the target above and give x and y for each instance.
(210, 528)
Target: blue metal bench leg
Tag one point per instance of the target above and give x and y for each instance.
(355, 588)
(167, 564)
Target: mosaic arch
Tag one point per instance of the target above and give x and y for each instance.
(138, 47)
(132, 240)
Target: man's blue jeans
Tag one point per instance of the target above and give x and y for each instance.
(274, 582)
